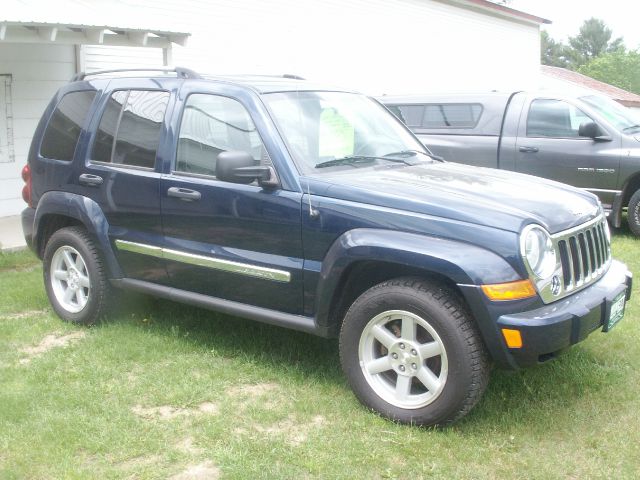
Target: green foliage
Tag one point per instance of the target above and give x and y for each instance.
(552, 52)
(620, 68)
(592, 41)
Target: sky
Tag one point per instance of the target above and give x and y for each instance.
(567, 16)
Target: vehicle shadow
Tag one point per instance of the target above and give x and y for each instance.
(548, 390)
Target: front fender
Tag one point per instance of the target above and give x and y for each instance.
(462, 263)
(85, 211)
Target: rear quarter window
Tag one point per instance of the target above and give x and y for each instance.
(63, 130)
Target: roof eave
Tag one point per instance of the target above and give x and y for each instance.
(75, 34)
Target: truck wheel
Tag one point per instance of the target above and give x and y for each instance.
(74, 276)
(412, 353)
(633, 213)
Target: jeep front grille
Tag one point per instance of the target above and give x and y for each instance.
(585, 254)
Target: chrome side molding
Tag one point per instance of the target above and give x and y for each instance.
(207, 262)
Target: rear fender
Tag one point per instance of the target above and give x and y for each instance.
(87, 212)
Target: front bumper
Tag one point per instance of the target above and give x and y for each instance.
(547, 330)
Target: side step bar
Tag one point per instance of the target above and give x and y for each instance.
(264, 315)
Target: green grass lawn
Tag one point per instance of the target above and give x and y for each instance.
(162, 389)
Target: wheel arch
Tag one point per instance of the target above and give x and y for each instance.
(362, 258)
(62, 209)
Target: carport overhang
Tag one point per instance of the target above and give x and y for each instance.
(78, 34)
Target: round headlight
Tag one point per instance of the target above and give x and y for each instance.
(538, 251)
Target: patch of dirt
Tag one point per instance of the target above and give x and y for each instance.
(167, 412)
(250, 395)
(25, 314)
(252, 391)
(295, 433)
(203, 471)
(186, 445)
(141, 461)
(49, 342)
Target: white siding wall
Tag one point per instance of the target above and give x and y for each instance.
(37, 72)
(375, 46)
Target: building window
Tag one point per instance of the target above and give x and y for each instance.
(6, 121)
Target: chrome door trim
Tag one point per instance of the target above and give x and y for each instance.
(204, 261)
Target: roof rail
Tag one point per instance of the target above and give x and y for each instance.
(180, 72)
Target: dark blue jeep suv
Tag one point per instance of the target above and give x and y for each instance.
(315, 209)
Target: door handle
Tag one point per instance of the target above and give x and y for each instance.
(90, 180)
(528, 149)
(185, 194)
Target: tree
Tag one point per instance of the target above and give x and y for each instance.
(593, 40)
(619, 68)
(552, 52)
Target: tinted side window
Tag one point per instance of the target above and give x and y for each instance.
(62, 133)
(459, 115)
(411, 115)
(212, 124)
(554, 118)
(103, 144)
(130, 127)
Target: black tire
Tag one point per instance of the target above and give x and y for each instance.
(633, 213)
(462, 370)
(78, 242)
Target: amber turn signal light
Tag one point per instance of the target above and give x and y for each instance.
(512, 337)
(500, 292)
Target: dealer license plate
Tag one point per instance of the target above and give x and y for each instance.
(616, 311)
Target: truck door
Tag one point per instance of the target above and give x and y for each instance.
(549, 146)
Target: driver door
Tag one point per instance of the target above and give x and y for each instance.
(232, 241)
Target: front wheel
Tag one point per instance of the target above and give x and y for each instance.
(74, 276)
(412, 353)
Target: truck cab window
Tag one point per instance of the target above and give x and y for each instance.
(554, 118)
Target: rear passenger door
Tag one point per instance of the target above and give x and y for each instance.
(121, 171)
(232, 241)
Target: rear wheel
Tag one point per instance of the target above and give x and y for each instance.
(412, 353)
(74, 276)
(633, 213)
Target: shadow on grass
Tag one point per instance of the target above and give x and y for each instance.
(233, 337)
(523, 397)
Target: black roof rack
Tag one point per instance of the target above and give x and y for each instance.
(179, 71)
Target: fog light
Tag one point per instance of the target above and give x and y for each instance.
(512, 337)
(509, 291)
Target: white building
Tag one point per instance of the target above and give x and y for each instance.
(375, 46)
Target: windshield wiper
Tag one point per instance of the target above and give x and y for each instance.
(411, 153)
(358, 159)
(630, 127)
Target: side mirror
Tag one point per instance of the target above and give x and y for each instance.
(240, 167)
(592, 130)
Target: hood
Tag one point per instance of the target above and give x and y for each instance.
(484, 196)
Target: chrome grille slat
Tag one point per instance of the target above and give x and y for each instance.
(585, 252)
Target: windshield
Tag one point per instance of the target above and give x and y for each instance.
(320, 127)
(622, 118)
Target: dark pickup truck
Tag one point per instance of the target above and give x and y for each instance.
(314, 209)
(587, 141)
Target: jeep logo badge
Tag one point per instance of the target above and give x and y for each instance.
(555, 285)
